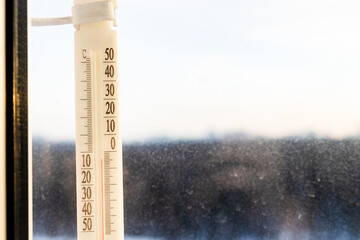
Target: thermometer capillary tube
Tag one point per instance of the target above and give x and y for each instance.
(98, 144)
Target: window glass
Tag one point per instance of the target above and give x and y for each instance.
(239, 119)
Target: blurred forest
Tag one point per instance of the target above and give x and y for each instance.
(215, 189)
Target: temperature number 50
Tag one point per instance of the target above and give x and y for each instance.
(109, 71)
(87, 222)
(109, 54)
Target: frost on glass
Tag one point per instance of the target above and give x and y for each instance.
(229, 188)
(54, 194)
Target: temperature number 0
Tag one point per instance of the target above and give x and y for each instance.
(112, 143)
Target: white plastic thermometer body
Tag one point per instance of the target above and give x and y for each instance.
(98, 144)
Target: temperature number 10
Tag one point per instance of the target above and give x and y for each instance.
(86, 159)
(110, 125)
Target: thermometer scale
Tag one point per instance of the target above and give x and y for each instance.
(98, 143)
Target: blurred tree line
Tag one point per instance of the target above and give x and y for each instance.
(215, 189)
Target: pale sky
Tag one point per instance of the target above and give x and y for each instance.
(193, 67)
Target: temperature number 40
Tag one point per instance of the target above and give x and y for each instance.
(87, 208)
(109, 71)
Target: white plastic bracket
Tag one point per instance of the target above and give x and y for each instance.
(95, 11)
(83, 11)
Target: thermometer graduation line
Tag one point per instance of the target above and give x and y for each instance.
(98, 144)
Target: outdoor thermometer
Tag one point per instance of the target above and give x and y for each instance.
(98, 143)
(99, 179)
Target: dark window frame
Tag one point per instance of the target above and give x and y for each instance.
(17, 145)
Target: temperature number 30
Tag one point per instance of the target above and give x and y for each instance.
(110, 90)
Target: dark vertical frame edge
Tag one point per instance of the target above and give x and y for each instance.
(17, 192)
